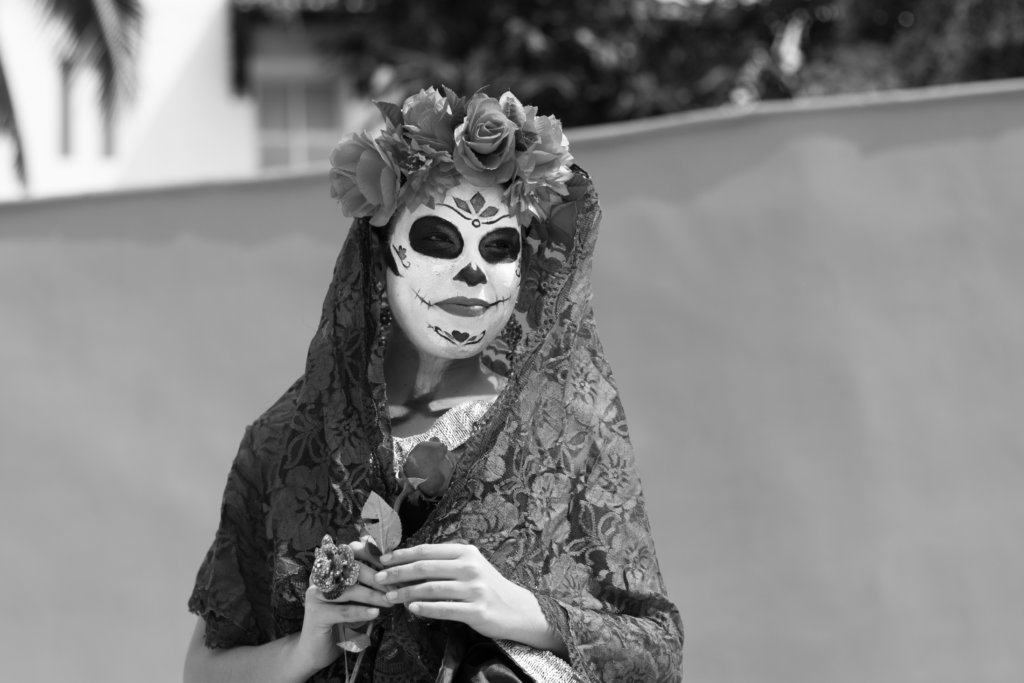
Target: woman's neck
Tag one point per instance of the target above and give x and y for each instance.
(429, 374)
(411, 373)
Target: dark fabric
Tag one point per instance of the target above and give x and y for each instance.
(547, 488)
(485, 662)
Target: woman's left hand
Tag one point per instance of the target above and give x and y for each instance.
(454, 582)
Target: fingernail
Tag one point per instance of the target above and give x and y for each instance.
(391, 595)
(380, 577)
(415, 607)
(386, 557)
(373, 611)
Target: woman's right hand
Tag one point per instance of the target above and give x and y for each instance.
(317, 643)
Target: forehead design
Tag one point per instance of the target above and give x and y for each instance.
(477, 211)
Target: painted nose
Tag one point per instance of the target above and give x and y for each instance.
(471, 275)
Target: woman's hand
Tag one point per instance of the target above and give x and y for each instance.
(454, 582)
(317, 644)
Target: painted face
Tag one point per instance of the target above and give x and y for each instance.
(458, 271)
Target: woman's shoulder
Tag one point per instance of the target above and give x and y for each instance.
(282, 413)
(262, 446)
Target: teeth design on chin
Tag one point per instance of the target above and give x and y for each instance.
(456, 337)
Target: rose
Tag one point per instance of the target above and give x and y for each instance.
(428, 120)
(541, 147)
(542, 161)
(364, 180)
(426, 173)
(485, 151)
(544, 150)
(422, 146)
(542, 167)
(429, 468)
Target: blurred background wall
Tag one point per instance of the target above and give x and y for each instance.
(813, 311)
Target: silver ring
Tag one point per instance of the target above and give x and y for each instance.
(334, 568)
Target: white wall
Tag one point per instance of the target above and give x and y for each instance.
(188, 123)
(31, 59)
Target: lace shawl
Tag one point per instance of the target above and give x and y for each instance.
(547, 488)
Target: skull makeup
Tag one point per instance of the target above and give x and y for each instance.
(458, 270)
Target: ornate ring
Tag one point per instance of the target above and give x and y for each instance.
(334, 568)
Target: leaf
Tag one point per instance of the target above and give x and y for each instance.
(382, 523)
(461, 203)
(392, 113)
(456, 103)
(354, 641)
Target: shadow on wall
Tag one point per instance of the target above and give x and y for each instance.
(813, 314)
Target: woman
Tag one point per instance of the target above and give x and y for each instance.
(457, 374)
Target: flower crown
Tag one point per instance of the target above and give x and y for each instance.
(437, 138)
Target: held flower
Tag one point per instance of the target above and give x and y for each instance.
(429, 468)
(364, 180)
(485, 152)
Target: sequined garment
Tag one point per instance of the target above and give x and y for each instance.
(547, 487)
(453, 428)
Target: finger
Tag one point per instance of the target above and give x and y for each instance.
(431, 591)
(351, 595)
(367, 553)
(466, 612)
(368, 577)
(427, 551)
(349, 613)
(423, 570)
(359, 594)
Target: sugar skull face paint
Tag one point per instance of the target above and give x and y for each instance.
(458, 271)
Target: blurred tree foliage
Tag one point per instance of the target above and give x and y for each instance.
(618, 59)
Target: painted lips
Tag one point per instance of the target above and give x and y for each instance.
(463, 306)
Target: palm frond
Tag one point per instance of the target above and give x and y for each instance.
(9, 122)
(103, 34)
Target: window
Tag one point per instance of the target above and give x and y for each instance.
(298, 122)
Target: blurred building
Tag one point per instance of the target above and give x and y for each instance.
(224, 89)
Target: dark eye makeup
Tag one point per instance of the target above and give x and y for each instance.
(434, 236)
(500, 245)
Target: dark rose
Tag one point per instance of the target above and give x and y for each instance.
(364, 180)
(429, 468)
(485, 143)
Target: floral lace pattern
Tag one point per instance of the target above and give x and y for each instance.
(547, 488)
